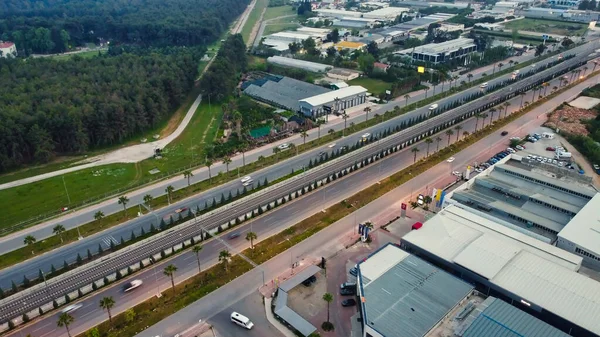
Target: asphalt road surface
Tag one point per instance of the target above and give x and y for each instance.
(79, 217)
(90, 314)
(58, 288)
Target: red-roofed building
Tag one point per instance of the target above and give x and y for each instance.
(381, 66)
(7, 49)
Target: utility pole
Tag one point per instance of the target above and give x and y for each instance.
(65, 185)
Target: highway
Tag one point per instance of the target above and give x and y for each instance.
(90, 314)
(69, 252)
(85, 215)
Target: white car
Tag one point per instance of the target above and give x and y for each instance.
(555, 162)
(451, 159)
(245, 179)
(331, 145)
(248, 182)
(420, 199)
(479, 169)
(366, 135)
(284, 146)
(71, 308)
(520, 148)
(132, 285)
(561, 164)
(456, 173)
(510, 149)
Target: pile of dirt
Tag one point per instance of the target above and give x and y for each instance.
(571, 119)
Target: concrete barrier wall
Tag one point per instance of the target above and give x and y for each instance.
(168, 251)
(157, 257)
(187, 242)
(73, 295)
(135, 267)
(86, 289)
(17, 321)
(47, 307)
(178, 247)
(61, 300)
(4, 327)
(33, 314)
(99, 283)
(197, 238)
(145, 262)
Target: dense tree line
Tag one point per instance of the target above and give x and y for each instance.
(222, 77)
(50, 107)
(51, 25)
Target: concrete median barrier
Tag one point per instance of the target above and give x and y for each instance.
(168, 251)
(73, 295)
(86, 289)
(16, 321)
(47, 307)
(134, 267)
(157, 257)
(178, 247)
(33, 314)
(197, 238)
(187, 243)
(99, 284)
(145, 262)
(4, 327)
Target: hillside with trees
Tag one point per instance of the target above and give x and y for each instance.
(51, 107)
(49, 26)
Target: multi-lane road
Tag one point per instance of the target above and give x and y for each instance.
(91, 314)
(69, 253)
(79, 217)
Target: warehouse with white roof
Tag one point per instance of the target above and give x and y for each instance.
(337, 100)
(536, 277)
(582, 234)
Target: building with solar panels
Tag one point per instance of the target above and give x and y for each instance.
(402, 295)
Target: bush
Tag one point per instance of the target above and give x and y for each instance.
(327, 326)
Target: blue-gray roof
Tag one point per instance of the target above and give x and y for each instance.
(500, 319)
(284, 93)
(410, 298)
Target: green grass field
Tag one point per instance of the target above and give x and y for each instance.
(374, 86)
(85, 54)
(548, 26)
(274, 12)
(253, 18)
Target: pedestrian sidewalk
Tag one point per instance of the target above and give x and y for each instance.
(268, 289)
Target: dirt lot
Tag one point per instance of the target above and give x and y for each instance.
(569, 119)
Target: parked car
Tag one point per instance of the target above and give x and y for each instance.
(456, 173)
(309, 281)
(347, 285)
(520, 148)
(504, 133)
(348, 302)
(550, 148)
(510, 150)
(420, 200)
(597, 168)
(347, 291)
(353, 271)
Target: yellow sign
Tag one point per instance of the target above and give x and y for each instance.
(421, 70)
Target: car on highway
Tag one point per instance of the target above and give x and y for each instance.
(597, 168)
(343, 148)
(233, 235)
(284, 146)
(365, 136)
(451, 159)
(246, 178)
(350, 302)
(504, 133)
(322, 154)
(179, 210)
(332, 145)
(347, 291)
(248, 182)
(484, 85)
(71, 308)
(129, 286)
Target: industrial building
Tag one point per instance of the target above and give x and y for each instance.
(441, 52)
(560, 14)
(300, 64)
(582, 234)
(352, 22)
(350, 45)
(426, 4)
(422, 22)
(338, 100)
(404, 296)
(564, 3)
(281, 92)
(343, 74)
(532, 201)
(535, 277)
(381, 14)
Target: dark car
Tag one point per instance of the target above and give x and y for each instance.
(353, 271)
(322, 154)
(504, 133)
(309, 281)
(348, 303)
(347, 291)
(233, 235)
(343, 148)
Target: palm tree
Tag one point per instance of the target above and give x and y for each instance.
(415, 150)
(30, 240)
(148, 199)
(196, 250)
(276, 151)
(522, 96)
(123, 200)
(345, 117)
(406, 97)
(455, 78)
(59, 230)
(554, 88)
(428, 141)
(477, 116)
(187, 174)
(327, 297)
(438, 139)
(237, 117)
(465, 134)
(330, 131)
(224, 256)
(500, 65)
(169, 190)
(293, 147)
(243, 148)
(469, 76)
(457, 128)
(367, 110)
(545, 85)
(99, 215)
(260, 160)
(107, 303)
(506, 105)
(65, 320)
(227, 161)
(303, 134)
(251, 236)
(209, 163)
(449, 133)
(170, 271)
(492, 112)
(426, 90)
(483, 117)
(318, 123)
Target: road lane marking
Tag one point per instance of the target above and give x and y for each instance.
(47, 333)
(43, 326)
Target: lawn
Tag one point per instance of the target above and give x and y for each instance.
(547, 26)
(279, 27)
(85, 54)
(253, 18)
(374, 86)
(274, 12)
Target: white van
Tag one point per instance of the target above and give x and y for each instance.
(484, 85)
(241, 320)
(433, 107)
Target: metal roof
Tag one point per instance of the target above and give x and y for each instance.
(306, 65)
(330, 96)
(496, 318)
(299, 278)
(584, 229)
(410, 296)
(438, 48)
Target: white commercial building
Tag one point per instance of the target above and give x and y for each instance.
(582, 234)
(441, 52)
(385, 14)
(336, 100)
(7, 49)
(298, 37)
(337, 13)
(300, 64)
(517, 268)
